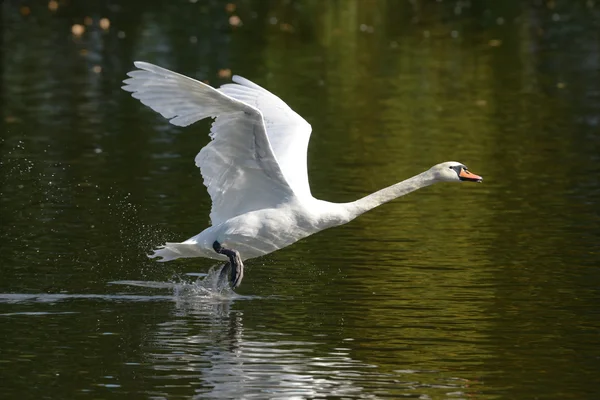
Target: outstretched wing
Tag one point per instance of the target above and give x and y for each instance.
(288, 132)
(239, 167)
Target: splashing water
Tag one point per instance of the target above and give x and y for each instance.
(209, 286)
(55, 200)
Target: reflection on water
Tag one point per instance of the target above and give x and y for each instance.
(205, 350)
(54, 298)
(455, 291)
(208, 350)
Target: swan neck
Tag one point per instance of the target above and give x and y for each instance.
(390, 193)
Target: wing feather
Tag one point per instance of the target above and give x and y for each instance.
(239, 167)
(288, 132)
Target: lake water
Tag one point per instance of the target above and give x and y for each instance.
(456, 291)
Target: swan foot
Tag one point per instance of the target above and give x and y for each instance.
(235, 264)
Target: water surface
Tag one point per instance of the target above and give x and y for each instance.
(456, 291)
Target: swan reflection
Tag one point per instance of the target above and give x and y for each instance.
(207, 352)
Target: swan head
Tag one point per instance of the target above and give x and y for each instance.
(452, 171)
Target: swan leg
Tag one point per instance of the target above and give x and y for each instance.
(224, 273)
(235, 264)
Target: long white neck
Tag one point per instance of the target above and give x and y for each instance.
(382, 196)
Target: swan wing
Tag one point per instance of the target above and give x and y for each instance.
(238, 165)
(288, 132)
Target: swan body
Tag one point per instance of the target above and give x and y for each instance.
(259, 232)
(255, 167)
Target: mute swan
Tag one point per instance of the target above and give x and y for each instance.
(255, 168)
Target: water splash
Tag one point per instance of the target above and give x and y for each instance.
(209, 286)
(45, 204)
(206, 288)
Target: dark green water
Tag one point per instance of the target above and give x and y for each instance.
(487, 291)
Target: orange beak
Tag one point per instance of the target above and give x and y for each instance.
(468, 176)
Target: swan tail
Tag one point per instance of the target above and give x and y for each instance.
(172, 251)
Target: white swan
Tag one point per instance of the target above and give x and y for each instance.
(255, 168)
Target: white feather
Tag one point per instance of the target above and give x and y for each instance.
(255, 166)
(239, 168)
(288, 132)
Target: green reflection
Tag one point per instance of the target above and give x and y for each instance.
(493, 285)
